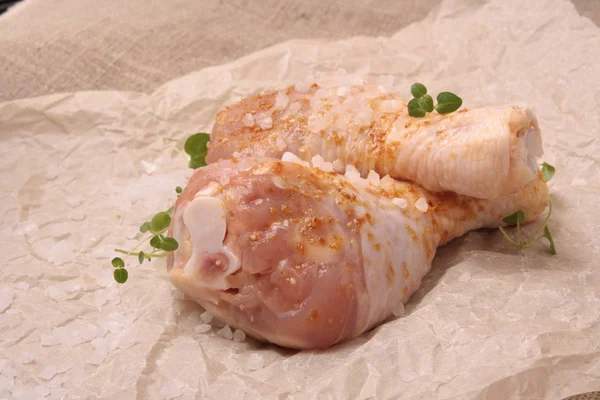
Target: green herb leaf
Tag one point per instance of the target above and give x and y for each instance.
(118, 262)
(170, 211)
(548, 236)
(141, 257)
(448, 102)
(156, 241)
(164, 243)
(120, 275)
(418, 90)
(145, 227)
(169, 244)
(160, 222)
(178, 190)
(426, 103)
(415, 109)
(196, 146)
(547, 171)
(516, 218)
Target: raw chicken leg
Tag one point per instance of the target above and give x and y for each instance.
(484, 153)
(305, 258)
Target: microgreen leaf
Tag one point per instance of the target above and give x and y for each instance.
(141, 257)
(178, 190)
(548, 236)
(118, 262)
(418, 90)
(120, 275)
(415, 109)
(196, 146)
(448, 102)
(156, 241)
(160, 222)
(515, 218)
(547, 171)
(145, 227)
(169, 244)
(426, 103)
(170, 211)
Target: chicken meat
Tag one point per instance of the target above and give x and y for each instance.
(484, 153)
(304, 257)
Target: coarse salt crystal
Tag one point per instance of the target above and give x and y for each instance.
(351, 172)
(27, 358)
(402, 203)
(265, 123)
(239, 335)
(281, 101)
(170, 390)
(421, 205)
(58, 394)
(203, 328)
(22, 285)
(280, 143)
(399, 310)
(390, 106)
(373, 178)
(51, 173)
(255, 362)
(148, 167)
(466, 277)
(206, 317)
(224, 180)
(225, 332)
(6, 298)
(248, 119)
(278, 182)
(294, 107)
(291, 157)
(338, 166)
(302, 87)
(343, 91)
(48, 373)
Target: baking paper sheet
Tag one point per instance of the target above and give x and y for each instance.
(79, 172)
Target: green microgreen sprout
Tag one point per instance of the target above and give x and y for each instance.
(196, 146)
(422, 103)
(518, 217)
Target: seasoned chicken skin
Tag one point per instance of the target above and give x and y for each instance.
(305, 258)
(484, 153)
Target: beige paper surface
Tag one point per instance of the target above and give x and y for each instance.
(81, 171)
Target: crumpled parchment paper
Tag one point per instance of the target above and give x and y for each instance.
(81, 171)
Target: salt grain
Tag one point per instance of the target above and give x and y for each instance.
(225, 332)
(206, 317)
(53, 292)
(48, 373)
(239, 335)
(302, 87)
(248, 120)
(255, 362)
(399, 310)
(390, 106)
(291, 157)
(278, 182)
(6, 298)
(29, 229)
(280, 143)
(466, 277)
(421, 205)
(203, 328)
(281, 101)
(402, 203)
(148, 167)
(338, 166)
(373, 178)
(265, 123)
(170, 390)
(27, 358)
(57, 394)
(51, 173)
